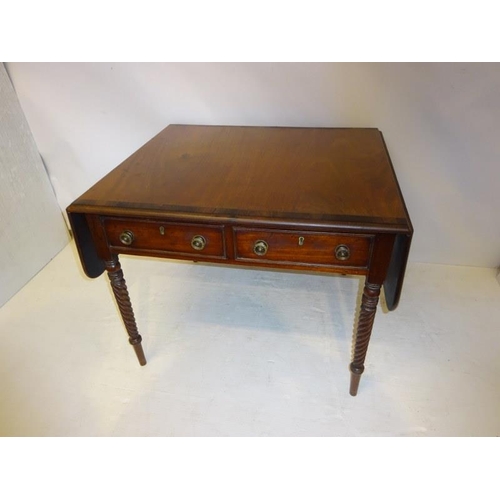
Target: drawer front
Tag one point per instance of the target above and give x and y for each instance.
(166, 237)
(302, 247)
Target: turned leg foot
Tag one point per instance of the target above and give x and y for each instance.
(120, 291)
(369, 303)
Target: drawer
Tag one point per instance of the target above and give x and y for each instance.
(302, 247)
(166, 237)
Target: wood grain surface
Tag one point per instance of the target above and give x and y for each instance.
(166, 236)
(314, 248)
(255, 196)
(295, 173)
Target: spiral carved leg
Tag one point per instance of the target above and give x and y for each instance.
(120, 291)
(366, 317)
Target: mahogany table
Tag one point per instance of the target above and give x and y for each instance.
(313, 199)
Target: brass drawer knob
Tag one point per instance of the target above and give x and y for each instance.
(198, 242)
(342, 252)
(260, 247)
(127, 237)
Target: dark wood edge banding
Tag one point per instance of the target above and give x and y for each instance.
(347, 223)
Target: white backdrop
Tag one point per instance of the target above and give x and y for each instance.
(441, 123)
(32, 229)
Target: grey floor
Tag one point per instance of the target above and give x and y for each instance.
(239, 352)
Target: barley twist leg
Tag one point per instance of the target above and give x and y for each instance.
(369, 303)
(120, 291)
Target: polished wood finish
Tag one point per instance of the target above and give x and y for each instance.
(367, 312)
(165, 237)
(314, 199)
(120, 291)
(314, 248)
(330, 175)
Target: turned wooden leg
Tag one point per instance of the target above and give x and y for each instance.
(362, 337)
(119, 287)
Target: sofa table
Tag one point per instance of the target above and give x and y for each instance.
(311, 199)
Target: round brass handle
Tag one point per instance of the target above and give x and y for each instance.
(127, 237)
(198, 242)
(260, 247)
(342, 252)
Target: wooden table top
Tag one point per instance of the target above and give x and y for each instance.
(311, 174)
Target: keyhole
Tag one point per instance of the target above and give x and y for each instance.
(301, 240)
(162, 230)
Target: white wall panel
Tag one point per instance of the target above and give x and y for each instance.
(32, 229)
(441, 123)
